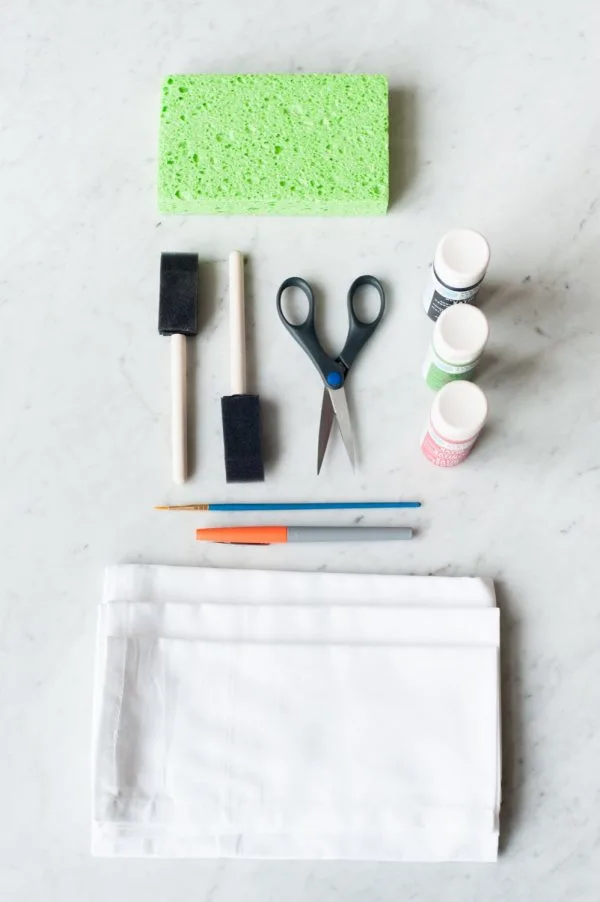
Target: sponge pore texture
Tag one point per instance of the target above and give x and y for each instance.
(311, 145)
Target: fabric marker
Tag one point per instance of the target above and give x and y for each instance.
(276, 535)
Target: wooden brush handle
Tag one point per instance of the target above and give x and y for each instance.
(237, 326)
(179, 408)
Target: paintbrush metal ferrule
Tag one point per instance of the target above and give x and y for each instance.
(182, 507)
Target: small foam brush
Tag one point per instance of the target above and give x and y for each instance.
(241, 411)
(178, 318)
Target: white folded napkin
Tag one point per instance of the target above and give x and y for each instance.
(296, 715)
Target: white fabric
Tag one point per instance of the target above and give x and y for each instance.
(296, 715)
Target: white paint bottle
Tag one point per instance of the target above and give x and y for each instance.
(458, 414)
(459, 266)
(459, 337)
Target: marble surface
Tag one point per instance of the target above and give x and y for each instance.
(494, 124)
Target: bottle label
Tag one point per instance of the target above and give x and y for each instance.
(438, 372)
(444, 453)
(438, 296)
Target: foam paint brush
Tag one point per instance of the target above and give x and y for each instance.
(178, 319)
(240, 411)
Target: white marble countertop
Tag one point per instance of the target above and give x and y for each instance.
(494, 125)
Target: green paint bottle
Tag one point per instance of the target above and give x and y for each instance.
(459, 337)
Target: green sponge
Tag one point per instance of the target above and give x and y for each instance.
(313, 145)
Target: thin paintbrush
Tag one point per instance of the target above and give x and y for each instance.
(287, 506)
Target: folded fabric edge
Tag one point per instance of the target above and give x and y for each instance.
(184, 583)
(207, 621)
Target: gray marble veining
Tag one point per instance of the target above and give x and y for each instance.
(494, 125)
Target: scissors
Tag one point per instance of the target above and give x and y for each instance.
(333, 371)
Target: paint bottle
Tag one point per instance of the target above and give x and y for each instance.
(458, 413)
(459, 337)
(459, 266)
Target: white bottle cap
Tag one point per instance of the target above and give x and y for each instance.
(461, 258)
(460, 334)
(459, 411)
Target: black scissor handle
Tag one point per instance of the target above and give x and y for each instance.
(359, 332)
(332, 372)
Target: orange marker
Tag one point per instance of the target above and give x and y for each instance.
(244, 535)
(276, 535)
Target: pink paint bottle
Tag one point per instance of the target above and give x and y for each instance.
(458, 414)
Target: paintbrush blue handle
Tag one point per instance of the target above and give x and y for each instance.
(317, 506)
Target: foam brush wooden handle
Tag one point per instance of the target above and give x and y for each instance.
(237, 328)
(179, 408)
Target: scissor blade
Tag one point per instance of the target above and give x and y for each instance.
(325, 424)
(342, 414)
